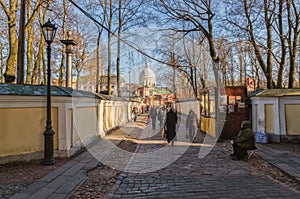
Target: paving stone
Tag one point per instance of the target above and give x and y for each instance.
(58, 196)
(54, 174)
(20, 196)
(69, 186)
(74, 169)
(42, 193)
(212, 176)
(33, 188)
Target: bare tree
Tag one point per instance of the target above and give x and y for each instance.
(293, 12)
(272, 27)
(32, 12)
(10, 9)
(80, 58)
(197, 17)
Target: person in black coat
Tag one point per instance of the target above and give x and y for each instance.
(170, 126)
(244, 141)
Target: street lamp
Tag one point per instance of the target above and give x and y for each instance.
(69, 43)
(49, 31)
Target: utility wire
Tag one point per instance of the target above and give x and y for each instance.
(124, 41)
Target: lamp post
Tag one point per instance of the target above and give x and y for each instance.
(49, 31)
(69, 43)
(129, 85)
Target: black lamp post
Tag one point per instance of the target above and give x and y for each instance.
(49, 31)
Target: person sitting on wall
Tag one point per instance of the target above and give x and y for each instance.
(244, 141)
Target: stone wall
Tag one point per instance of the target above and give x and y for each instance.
(78, 118)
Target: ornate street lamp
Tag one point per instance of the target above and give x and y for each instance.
(69, 43)
(49, 31)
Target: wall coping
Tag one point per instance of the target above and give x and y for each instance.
(41, 90)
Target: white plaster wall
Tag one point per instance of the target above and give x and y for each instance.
(260, 119)
(279, 112)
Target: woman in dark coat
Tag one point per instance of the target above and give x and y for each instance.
(170, 126)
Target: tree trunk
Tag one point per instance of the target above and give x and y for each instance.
(10, 72)
(61, 76)
(269, 46)
(1, 64)
(265, 68)
(283, 46)
(109, 48)
(98, 61)
(119, 47)
(29, 55)
(21, 44)
(294, 30)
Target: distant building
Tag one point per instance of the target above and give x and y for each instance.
(250, 83)
(147, 77)
(129, 90)
(87, 83)
(147, 82)
(183, 87)
(55, 82)
(113, 84)
(148, 93)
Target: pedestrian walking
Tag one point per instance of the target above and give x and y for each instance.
(143, 109)
(191, 125)
(170, 126)
(153, 115)
(160, 116)
(135, 112)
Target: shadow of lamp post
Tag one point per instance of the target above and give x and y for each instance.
(49, 31)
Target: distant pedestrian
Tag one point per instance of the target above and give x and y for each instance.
(143, 108)
(135, 112)
(178, 120)
(243, 141)
(191, 125)
(170, 126)
(153, 115)
(160, 116)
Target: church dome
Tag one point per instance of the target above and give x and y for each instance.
(147, 77)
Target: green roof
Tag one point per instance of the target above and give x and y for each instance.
(163, 92)
(279, 92)
(41, 90)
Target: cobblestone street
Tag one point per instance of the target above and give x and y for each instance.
(143, 165)
(213, 176)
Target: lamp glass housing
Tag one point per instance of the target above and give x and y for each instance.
(49, 31)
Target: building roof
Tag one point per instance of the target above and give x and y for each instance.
(147, 73)
(279, 92)
(162, 91)
(254, 93)
(41, 90)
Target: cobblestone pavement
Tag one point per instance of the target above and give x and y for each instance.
(213, 176)
(18, 175)
(158, 170)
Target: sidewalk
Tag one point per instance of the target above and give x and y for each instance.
(285, 157)
(213, 176)
(64, 180)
